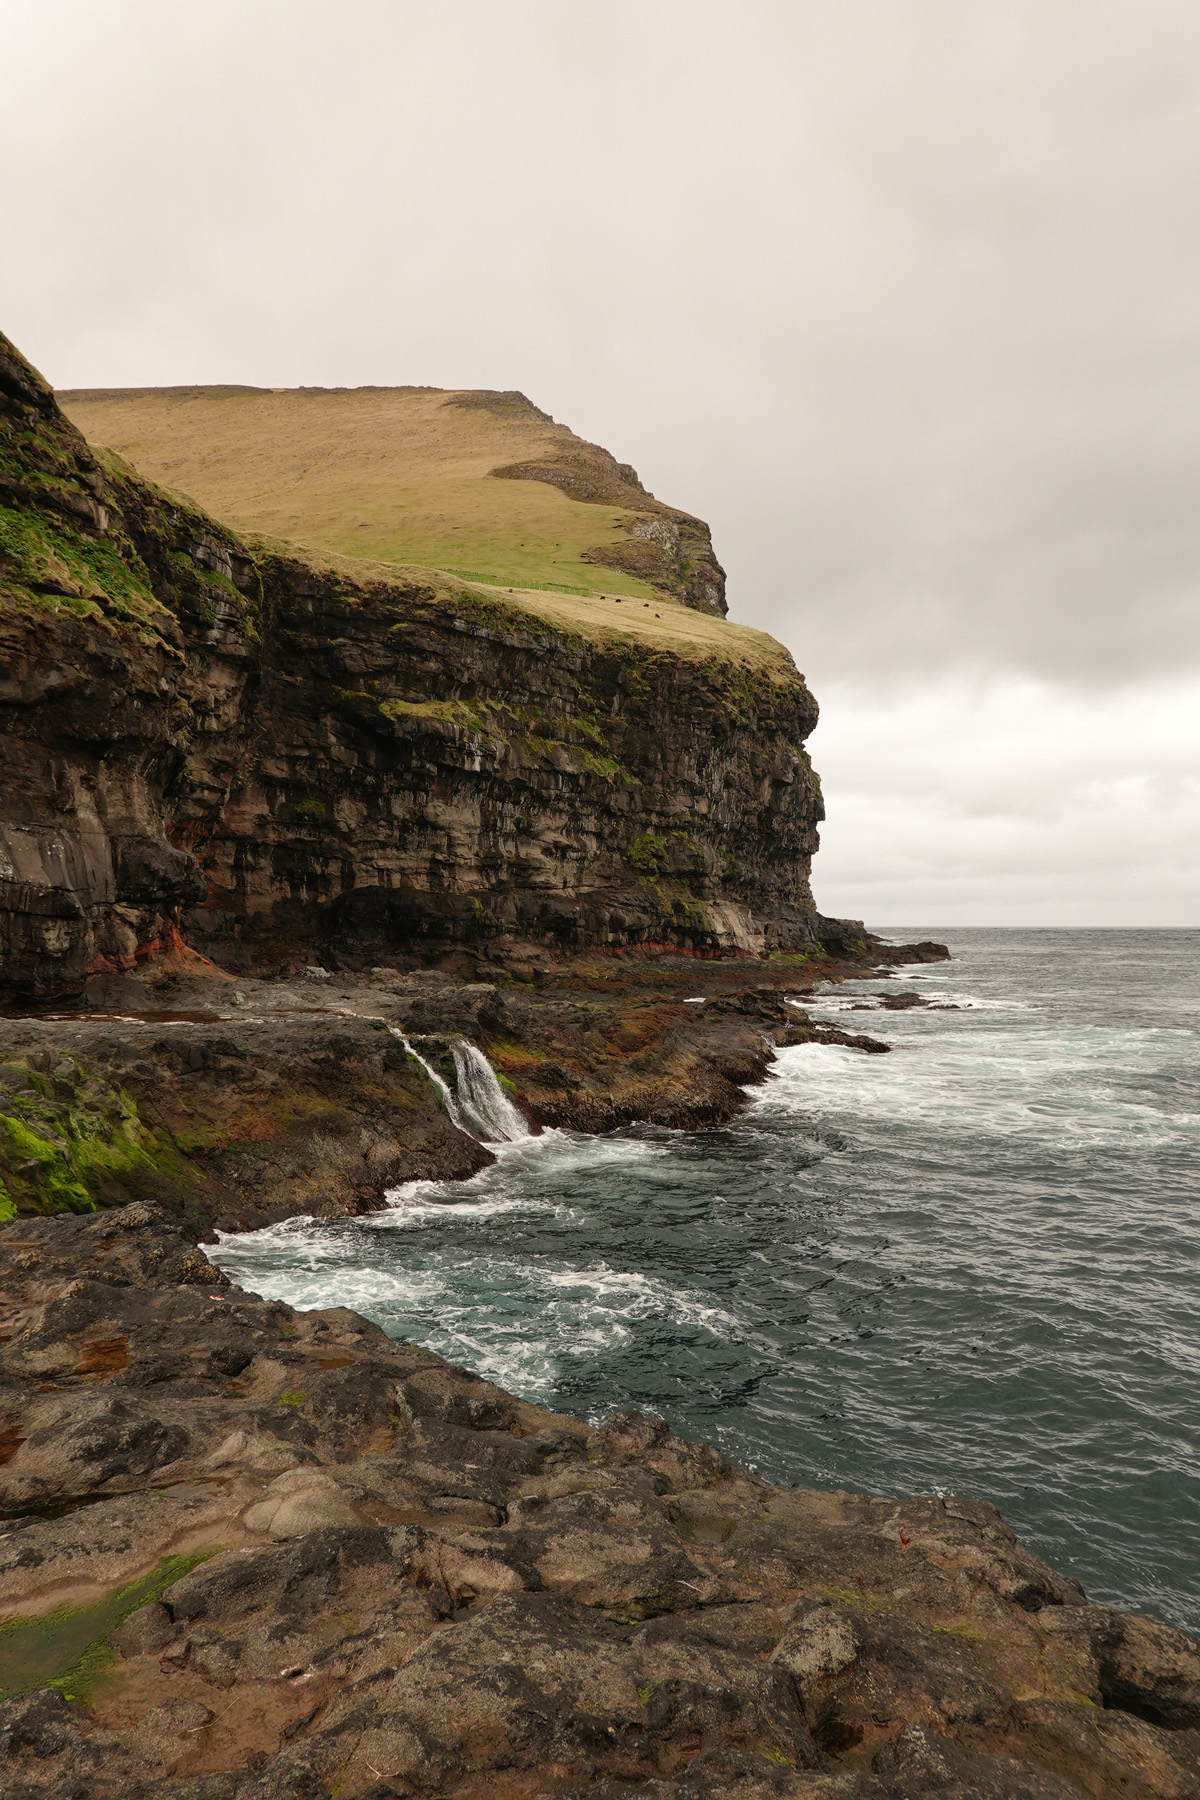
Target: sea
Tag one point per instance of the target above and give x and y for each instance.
(971, 1266)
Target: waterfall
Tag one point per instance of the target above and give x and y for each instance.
(481, 1099)
(480, 1108)
(448, 1100)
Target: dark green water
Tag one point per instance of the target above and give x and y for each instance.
(970, 1266)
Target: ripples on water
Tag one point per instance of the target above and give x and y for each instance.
(969, 1266)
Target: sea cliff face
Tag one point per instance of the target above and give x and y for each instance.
(259, 1554)
(217, 743)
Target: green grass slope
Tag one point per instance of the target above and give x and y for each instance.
(392, 475)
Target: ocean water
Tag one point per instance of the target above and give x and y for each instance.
(970, 1266)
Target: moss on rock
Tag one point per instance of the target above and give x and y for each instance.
(69, 1142)
(69, 1649)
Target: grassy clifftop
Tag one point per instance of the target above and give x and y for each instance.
(613, 620)
(481, 485)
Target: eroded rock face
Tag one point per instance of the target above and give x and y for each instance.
(663, 546)
(405, 1582)
(218, 746)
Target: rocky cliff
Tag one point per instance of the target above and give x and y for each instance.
(216, 743)
(255, 1554)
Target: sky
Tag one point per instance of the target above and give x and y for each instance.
(903, 298)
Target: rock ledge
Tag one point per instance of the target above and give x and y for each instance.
(254, 1553)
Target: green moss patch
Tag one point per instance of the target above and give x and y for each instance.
(49, 566)
(454, 712)
(68, 1649)
(70, 1143)
(647, 852)
(44, 1170)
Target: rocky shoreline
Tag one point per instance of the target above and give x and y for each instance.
(288, 840)
(238, 1103)
(252, 1553)
(249, 1553)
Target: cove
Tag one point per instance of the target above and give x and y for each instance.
(969, 1266)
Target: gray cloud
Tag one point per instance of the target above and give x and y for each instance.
(905, 300)
(1012, 803)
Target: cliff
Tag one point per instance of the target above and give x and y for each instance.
(219, 743)
(255, 1554)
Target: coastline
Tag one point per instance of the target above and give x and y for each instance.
(232, 1104)
(251, 1551)
(346, 1566)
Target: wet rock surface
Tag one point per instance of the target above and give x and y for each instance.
(379, 1575)
(241, 1103)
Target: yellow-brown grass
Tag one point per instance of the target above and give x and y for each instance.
(655, 625)
(381, 480)
(398, 475)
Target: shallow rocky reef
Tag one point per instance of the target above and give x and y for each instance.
(254, 1553)
(236, 1104)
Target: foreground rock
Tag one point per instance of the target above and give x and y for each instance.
(253, 1553)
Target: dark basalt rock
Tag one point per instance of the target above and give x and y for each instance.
(211, 744)
(280, 1097)
(364, 1572)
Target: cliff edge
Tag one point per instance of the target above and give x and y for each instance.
(482, 484)
(223, 743)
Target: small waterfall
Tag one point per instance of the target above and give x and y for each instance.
(481, 1099)
(448, 1100)
(480, 1108)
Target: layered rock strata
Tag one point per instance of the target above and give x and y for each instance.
(223, 746)
(254, 1554)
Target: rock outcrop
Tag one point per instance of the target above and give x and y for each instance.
(668, 549)
(255, 1554)
(213, 745)
(237, 1105)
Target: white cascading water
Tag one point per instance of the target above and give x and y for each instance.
(481, 1099)
(448, 1099)
(480, 1108)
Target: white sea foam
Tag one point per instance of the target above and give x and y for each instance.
(868, 1001)
(1057, 1085)
(553, 1156)
(971, 1261)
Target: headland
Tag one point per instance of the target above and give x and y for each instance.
(301, 801)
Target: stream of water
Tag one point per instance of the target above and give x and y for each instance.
(972, 1265)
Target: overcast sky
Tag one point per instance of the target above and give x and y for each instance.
(903, 296)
